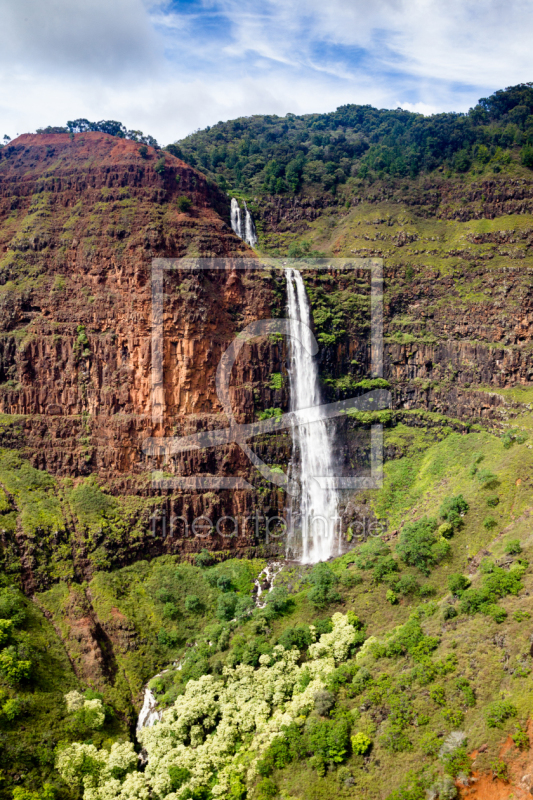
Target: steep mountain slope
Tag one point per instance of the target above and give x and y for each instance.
(113, 602)
(81, 219)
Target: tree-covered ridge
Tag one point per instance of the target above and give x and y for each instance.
(267, 153)
(111, 126)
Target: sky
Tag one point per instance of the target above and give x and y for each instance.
(169, 67)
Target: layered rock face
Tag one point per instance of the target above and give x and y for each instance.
(458, 301)
(81, 221)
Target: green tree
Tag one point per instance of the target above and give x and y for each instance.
(419, 547)
(184, 203)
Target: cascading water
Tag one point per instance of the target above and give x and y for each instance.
(244, 229)
(315, 538)
(250, 235)
(236, 222)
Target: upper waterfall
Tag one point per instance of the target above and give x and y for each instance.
(236, 222)
(247, 231)
(315, 538)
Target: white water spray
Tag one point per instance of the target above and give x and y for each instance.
(316, 538)
(236, 222)
(250, 235)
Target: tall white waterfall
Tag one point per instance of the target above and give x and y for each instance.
(244, 229)
(250, 235)
(315, 535)
(236, 222)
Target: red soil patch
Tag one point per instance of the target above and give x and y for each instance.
(520, 770)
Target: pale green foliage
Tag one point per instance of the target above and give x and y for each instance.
(200, 732)
(103, 774)
(91, 711)
(74, 701)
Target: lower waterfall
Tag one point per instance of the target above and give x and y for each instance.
(313, 534)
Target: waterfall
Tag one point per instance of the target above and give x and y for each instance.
(149, 714)
(250, 235)
(247, 231)
(318, 506)
(236, 223)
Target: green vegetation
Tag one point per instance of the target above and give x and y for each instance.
(184, 203)
(435, 588)
(289, 154)
(110, 126)
(420, 547)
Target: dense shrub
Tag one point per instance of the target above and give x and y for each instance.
(453, 509)
(330, 740)
(184, 203)
(342, 676)
(457, 761)
(178, 776)
(496, 584)
(420, 547)
(192, 603)
(409, 638)
(226, 606)
(266, 788)
(513, 547)
(371, 552)
(224, 583)
(464, 686)
(203, 558)
(498, 712)
(361, 743)
(438, 695)
(299, 637)
(325, 625)
(323, 581)
(414, 787)
(277, 602)
(324, 702)
(406, 585)
(527, 157)
(521, 738)
(458, 583)
(449, 612)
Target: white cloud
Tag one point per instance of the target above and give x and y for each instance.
(169, 68)
(418, 108)
(77, 38)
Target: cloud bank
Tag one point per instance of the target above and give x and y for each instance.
(171, 67)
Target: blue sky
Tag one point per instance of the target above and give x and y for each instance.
(169, 67)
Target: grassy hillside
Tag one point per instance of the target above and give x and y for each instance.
(433, 652)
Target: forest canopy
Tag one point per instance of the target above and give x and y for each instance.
(276, 155)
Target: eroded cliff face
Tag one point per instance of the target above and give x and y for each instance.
(81, 221)
(458, 289)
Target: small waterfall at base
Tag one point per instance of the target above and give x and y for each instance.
(250, 235)
(236, 222)
(318, 520)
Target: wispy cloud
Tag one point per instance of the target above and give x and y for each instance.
(171, 66)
